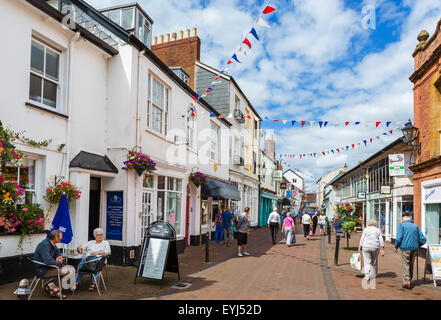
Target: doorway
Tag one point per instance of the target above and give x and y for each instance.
(94, 205)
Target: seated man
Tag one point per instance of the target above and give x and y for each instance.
(92, 249)
(48, 253)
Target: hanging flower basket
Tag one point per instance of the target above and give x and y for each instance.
(54, 194)
(139, 162)
(198, 178)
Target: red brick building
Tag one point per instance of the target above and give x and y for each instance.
(427, 116)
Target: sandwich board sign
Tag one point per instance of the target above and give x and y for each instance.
(433, 261)
(159, 252)
(396, 165)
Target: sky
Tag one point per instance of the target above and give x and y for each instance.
(320, 60)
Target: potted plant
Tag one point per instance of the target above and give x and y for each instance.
(139, 162)
(198, 178)
(54, 193)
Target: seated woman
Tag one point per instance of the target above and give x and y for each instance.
(92, 249)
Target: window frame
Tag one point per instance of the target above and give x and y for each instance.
(214, 127)
(165, 109)
(44, 77)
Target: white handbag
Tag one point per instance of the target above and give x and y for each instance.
(356, 261)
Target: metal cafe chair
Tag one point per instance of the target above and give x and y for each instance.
(102, 262)
(37, 278)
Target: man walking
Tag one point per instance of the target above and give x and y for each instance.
(242, 233)
(306, 221)
(274, 223)
(409, 239)
(227, 224)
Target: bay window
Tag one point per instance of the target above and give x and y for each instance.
(44, 74)
(158, 106)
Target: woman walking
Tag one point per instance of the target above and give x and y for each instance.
(288, 228)
(314, 222)
(371, 243)
(306, 221)
(322, 223)
(219, 230)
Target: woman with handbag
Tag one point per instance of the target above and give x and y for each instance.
(288, 228)
(92, 249)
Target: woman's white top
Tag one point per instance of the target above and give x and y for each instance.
(92, 246)
(306, 219)
(322, 219)
(371, 238)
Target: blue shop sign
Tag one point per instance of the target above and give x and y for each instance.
(115, 211)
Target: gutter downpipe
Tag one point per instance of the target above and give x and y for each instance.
(69, 100)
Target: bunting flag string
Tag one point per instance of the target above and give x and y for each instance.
(234, 58)
(331, 151)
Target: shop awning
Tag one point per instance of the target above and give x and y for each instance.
(286, 202)
(220, 190)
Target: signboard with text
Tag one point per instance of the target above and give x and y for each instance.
(114, 215)
(433, 261)
(277, 175)
(396, 165)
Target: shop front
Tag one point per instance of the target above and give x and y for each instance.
(267, 202)
(431, 210)
(379, 208)
(215, 196)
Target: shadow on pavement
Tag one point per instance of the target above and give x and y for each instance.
(387, 275)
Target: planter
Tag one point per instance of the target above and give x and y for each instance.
(139, 172)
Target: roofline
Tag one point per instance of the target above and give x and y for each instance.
(58, 16)
(375, 155)
(136, 4)
(231, 78)
(129, 38)
(294, 173)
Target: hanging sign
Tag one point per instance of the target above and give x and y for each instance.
(362, 195)
(385, 190)
(396, 165)
(277, 175)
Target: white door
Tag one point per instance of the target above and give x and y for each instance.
(147, 211)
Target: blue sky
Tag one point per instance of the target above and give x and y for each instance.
(316, 62)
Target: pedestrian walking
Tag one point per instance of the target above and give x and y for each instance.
(274, 224)
(242, 233)
(314, 222)
(306, 221)
(409, 239)
(288, 228)
(227, 224)
(371, 244)
(322, 223)
(219, 228)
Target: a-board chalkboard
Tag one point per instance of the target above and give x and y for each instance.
(155, 258)
(433, 261)
(159, 252)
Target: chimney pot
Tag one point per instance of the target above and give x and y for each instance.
(181, 35)
(167, 37)
(195, 32)
(155, 40)
(161, 38)
(187, 33)
(174, 36)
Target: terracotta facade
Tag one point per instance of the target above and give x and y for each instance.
(427, 117)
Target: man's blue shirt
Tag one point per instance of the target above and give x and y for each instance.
(227, 216)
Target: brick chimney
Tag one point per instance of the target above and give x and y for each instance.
(179, 51)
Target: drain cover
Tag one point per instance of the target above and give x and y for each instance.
(181, 286)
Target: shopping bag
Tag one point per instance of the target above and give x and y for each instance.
(310, 231)
(356, 261)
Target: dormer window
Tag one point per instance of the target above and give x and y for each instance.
(181, 74)
(133, 19)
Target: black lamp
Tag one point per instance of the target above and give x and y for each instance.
(410, 135)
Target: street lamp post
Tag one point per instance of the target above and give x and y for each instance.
(410, 134)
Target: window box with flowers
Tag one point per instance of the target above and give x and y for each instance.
(140, 162)
(198, 178)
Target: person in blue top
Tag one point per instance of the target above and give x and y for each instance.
(227, 225)
(409, 239)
